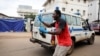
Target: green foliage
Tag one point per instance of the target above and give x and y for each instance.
(32, 16)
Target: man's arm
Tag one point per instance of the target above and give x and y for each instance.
(56, 32)
(60, 28)
(62, 25)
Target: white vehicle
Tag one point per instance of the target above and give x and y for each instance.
(79, 31)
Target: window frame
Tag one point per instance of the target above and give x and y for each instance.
(84, 1)
(72, 9)
(78, 0)
(84, 12)
(78, 10)
(78, 24)
(73, 20)
(63, 9)
(72, 0)
(70, 21)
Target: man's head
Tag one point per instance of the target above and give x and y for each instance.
(56, 14)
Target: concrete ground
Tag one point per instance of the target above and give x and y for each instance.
(18, 44)
(15, 35)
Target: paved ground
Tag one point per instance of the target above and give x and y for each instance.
(88, 50)
(10, 45)
(15, 35)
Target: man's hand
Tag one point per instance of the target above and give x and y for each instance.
(40, 18)
(43, 30)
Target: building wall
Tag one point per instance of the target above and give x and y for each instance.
(26, 10)
(93, 10)
(50, 7)
(72, 6)
(75, 6)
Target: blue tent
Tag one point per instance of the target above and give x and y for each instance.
(16, 25)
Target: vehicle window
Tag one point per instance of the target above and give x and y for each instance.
(74, 20)
(63, 17)
(68, 18)
(36, 22)
(46, 18)
(78, 21)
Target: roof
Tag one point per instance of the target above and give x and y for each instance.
(3, 14)
(15, 17)
(9, 16)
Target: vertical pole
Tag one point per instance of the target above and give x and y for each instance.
(99, 15)
(98, 11)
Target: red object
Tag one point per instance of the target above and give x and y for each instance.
(53, 39)
(64, 38)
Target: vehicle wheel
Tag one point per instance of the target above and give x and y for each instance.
(71, 49)
(91, 40)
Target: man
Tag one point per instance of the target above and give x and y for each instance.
(62, 32)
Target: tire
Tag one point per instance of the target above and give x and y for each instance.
(71, 49)
(91, 40)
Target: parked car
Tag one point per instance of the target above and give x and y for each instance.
(95, 25)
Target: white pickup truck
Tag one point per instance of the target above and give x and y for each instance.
(79, 31)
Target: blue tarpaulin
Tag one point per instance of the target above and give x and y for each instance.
(16, 25)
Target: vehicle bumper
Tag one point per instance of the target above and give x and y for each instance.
(43, 44)
(96, 31)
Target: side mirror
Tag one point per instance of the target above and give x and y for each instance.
(84, 26)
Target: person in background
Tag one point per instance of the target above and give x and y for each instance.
(61, 31)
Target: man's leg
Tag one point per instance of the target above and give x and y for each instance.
(56, 50)
(63, 50)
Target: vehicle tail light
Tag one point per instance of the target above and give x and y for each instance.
(53, 40)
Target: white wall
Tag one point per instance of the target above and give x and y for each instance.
(75, 5)
(50, 7)
(26, 10)
(93, 10)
